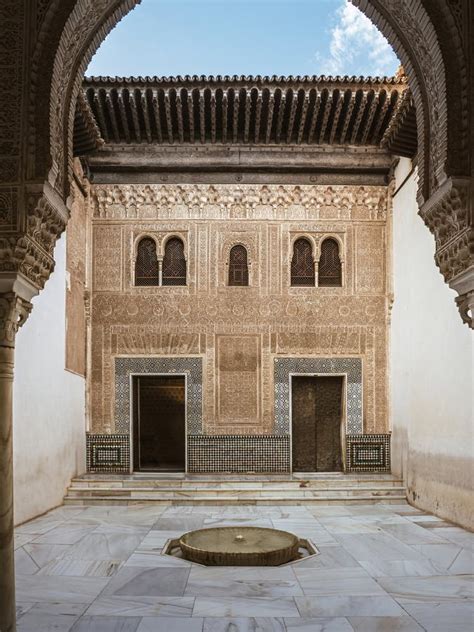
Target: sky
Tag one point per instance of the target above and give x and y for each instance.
(244, 37)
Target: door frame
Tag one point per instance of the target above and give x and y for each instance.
(132, 420)
(343, 413)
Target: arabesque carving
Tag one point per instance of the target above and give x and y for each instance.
(31, 253)
(279, 320)
(201, 201)
(451, 219)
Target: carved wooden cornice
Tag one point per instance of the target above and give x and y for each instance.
(400, 137)
(243, 110)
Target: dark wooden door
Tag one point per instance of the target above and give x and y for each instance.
(160, 427)
(316, 423)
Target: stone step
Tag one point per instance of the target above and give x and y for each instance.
(344, 483)
(304, 491)
(224, 489)
(232, 500)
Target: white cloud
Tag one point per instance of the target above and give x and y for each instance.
(356, 46)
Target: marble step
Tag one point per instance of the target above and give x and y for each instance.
(345, 483)
(233, 500)
(304, 491)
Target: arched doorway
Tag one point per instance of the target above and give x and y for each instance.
(64, 36)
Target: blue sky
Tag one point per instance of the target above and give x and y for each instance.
(281, 37)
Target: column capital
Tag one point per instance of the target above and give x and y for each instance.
(14, 311)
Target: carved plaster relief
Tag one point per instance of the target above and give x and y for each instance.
(260, 322)
(238, 373)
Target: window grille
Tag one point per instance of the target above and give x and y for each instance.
(302, 264)
(174, 263)
(146, 264)
(238, 266)
(330, 269)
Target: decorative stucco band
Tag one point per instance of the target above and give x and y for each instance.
(286, 367)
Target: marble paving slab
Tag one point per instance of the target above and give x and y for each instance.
(385, 624)
(339, 581)
(435, 588)
(217, 587)
(319, 624)
(348, 605)
(106, 624)
(244, 624)
(379, 568)
(148, 582)
(143, 606)
(59, 589)
(244, 607)
(33, 622)
(444, 616)
(443, 555)
(171, 624)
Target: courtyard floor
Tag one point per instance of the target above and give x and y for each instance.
(380, 568)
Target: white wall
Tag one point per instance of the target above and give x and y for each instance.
(432, 377)
(48, 404)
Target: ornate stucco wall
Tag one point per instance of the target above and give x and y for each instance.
(240, 331)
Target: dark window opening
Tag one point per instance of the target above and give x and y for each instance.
(174, 263)
(238, 266)
(146, 264)
(302, 264)
(330, 268)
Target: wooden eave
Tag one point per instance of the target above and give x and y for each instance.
(243, 111)
(400, 137)
(87, 138)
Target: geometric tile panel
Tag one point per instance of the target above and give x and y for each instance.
(108, 453)
(286, 367)
(368, 453)
(238, 453)
(191, 367)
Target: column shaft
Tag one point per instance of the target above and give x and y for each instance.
(7, 567)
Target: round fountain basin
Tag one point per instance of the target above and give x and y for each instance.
(239, 546)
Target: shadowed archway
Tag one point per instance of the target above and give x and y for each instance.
(46, 46)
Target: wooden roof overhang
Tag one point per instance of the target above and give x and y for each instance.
(224, 122)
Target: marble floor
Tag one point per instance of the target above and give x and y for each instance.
(381, 567)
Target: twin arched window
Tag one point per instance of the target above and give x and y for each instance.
(238, 266)
(173, 268)
(303, 269)
(147, 266)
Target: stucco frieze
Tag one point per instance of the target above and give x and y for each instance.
(239, 202)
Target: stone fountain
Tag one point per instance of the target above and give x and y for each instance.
(239, 546)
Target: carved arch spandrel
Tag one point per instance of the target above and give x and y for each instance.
(431, 38)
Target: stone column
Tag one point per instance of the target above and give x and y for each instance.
(13, 313)
(160, 270)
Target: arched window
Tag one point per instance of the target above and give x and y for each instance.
(174, 263)
(238, 266)
(302, 264)
(330, 269)
(146, 263)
